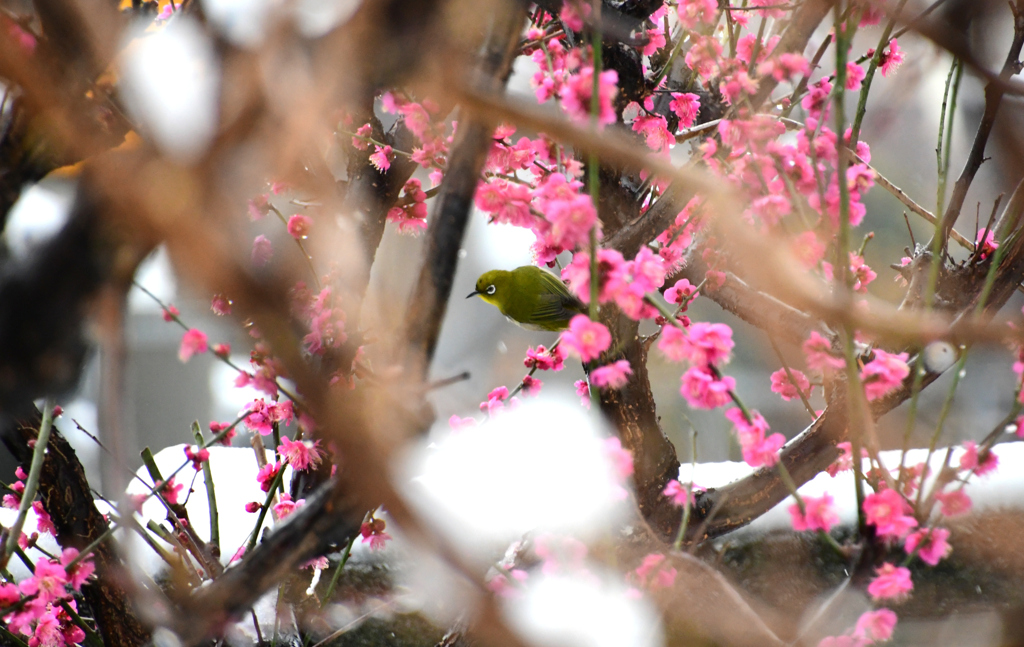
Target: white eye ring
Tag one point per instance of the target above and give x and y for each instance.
(490, 289)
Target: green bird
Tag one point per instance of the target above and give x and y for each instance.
(529, 296)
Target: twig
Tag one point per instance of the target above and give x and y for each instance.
(31, 483)
(428, 303)
(211, 496)
(910, 204)
(993, 98)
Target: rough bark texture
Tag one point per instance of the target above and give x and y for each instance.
(64, 491)
(632, 411)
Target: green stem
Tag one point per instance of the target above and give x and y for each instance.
(10, 638)
(933, 274)
(302, 248)
(671, 59)
(949, 127)
(211, 495)
(940, 189)
(677, 545)
(91, 637)
(594, 172)
(337, 573)
(986, 291)
(264, 509)
(842, 288)
(31, 483)
(792, 379)
(865, 87)
(150, 463)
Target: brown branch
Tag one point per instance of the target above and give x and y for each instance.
(637, 233)
(429, 300)
(801, 26)
(371, 193)
(815, 448)
(65, 494)
(993, 98)
(632, 411)
(757, 308)
(328, 519)
(908, 202)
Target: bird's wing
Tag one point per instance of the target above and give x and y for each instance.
(554, 284)
(556, 305)
(551, 309)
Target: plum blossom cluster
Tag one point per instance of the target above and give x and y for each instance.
(625, 283)
(566, 73)
(706, 347)
(373, 533)
(261, 416)
(12, 501)
(872, 627)
(322, 312)
(41, 616)
(681, 494)
(558, 212)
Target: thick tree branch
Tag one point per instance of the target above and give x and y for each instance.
(815, 448)
(632, 411)
(429, 299)
(328, 519)
(65, 494)
(749, 304)
(369, 194)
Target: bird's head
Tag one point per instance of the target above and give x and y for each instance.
(493, 287)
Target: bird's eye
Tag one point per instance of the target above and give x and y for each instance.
(490, 289)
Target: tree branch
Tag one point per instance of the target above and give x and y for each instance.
(429, 299)
(64, 491)
(993, 98)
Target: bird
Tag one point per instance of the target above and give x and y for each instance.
(530, 297)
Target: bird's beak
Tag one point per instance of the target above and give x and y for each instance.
(472, 294)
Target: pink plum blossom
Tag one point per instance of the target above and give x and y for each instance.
(884, 373)
(194, 341)
(972, 460)
(954, 503)
(758, 448)
(889, 513)
(875, 626)
(586, 338)
(373, 533)
(300, 455)
(704, 390)
(579, 88)
(265, 477)
(531, 386)
(819, 514)
(544, 359)
(891, 583)
(930, 544)
(612, 376)
(782, 385)
(686, 105)
(299, 225)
